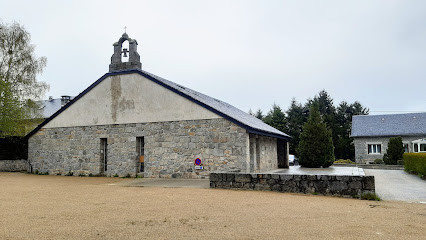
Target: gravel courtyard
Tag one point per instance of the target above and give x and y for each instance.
(58, 207)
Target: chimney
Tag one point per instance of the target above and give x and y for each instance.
(65, 99)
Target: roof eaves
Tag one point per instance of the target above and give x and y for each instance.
(389, 135)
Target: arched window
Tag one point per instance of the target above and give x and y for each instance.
(125, 51)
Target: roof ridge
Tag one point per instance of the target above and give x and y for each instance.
(394, 114)
(224, 109)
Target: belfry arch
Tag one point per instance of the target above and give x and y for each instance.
(132, 53)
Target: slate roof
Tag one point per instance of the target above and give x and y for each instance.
(411, 124)
(49, 107)
(235, 115)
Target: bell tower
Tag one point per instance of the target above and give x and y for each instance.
(133, 62)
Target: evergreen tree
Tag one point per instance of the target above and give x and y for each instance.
(295, 121)
(316, 144)
(343, 146)
(358, 109)
(276, 118)
(259, 114)
(327, 110)
(394, 152)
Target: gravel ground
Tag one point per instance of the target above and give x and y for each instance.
(57, 207)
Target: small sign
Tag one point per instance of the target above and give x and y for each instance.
(198, 162)
(199, 167)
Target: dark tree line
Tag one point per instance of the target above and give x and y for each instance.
(337, 118)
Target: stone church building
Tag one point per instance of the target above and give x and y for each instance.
(131, 122)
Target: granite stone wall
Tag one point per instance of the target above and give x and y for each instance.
(361, 147)
(170, 148)
(14, 165)
(263, 153)
(349, 186)
(268, 153)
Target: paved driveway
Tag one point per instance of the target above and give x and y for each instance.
(398, 185)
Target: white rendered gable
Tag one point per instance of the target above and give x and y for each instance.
(129, 98)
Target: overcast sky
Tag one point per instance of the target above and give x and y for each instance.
(247, 53)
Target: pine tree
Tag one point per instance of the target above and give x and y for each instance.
(327, 111)
(295, 121)
(276, 118)
(316, 144)
(259, 114)
(343, 145)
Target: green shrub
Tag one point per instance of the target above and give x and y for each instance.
(415, 163)
(378, 161)
(348, 161)
(116, 175)
(316, 144)
(370, 196)
(394, 151)
(69, 173)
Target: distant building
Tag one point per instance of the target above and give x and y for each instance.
(371, 134)
(131, 122)
(48, 107)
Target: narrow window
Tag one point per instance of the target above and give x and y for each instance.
(422, 147)
(258, 153)
(416, 147)
(140, 149)
(406, 147)
(104, 155)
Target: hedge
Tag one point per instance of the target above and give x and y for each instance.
(415, 163)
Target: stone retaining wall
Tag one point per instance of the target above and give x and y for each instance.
(349, 186)
(13, 165)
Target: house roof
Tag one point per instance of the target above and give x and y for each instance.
(411, 124)
(49, 107)
(227, 111)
